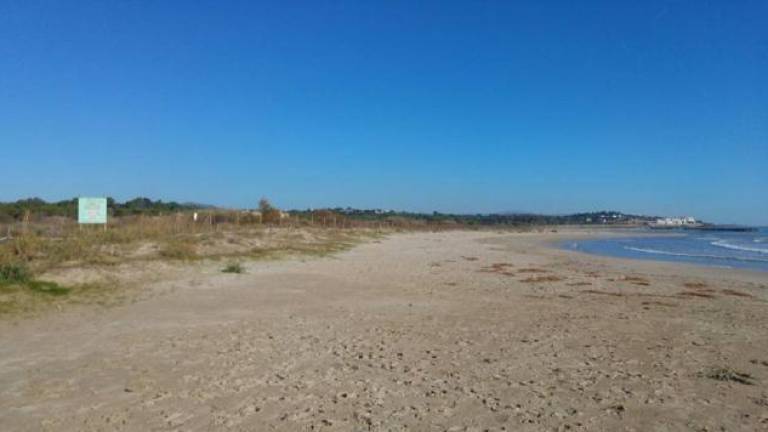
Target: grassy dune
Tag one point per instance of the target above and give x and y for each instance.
(34, 264)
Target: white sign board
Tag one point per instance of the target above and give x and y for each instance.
(92, 210)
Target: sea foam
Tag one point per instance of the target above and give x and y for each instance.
(725, 244)
(718, 257)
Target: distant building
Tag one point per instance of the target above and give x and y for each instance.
(675, 221)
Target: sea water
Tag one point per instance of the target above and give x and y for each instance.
(710, 248)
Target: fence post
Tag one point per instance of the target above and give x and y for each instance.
(25, 222)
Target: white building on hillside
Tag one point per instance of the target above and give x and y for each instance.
(676, 221)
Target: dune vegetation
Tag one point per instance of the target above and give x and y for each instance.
(36, 251)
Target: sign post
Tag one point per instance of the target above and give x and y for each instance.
(92, 211)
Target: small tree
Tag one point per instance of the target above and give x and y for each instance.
(269, 213)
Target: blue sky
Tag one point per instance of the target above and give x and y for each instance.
(657, 107)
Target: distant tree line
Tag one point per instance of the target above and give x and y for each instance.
(15, 211)
(512, 219)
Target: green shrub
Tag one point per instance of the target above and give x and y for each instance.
(233, 268)
(14, 277)
(13, 273)
(50, 288)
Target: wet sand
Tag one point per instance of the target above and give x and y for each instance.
(427, 332)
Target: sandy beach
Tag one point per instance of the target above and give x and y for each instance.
(451, 331)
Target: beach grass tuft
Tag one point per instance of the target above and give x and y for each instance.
(233, 268)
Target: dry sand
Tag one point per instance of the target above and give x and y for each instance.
(426, 332)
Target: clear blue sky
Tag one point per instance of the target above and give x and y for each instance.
(656, 107)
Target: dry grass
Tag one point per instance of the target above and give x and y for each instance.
(136, 241)
(41, 251)
(180, 249)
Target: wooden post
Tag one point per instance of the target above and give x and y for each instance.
(25, 222)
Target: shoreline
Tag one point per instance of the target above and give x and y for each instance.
(577, 235)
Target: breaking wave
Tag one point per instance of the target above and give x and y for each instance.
(718, 257)
(725, 244)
